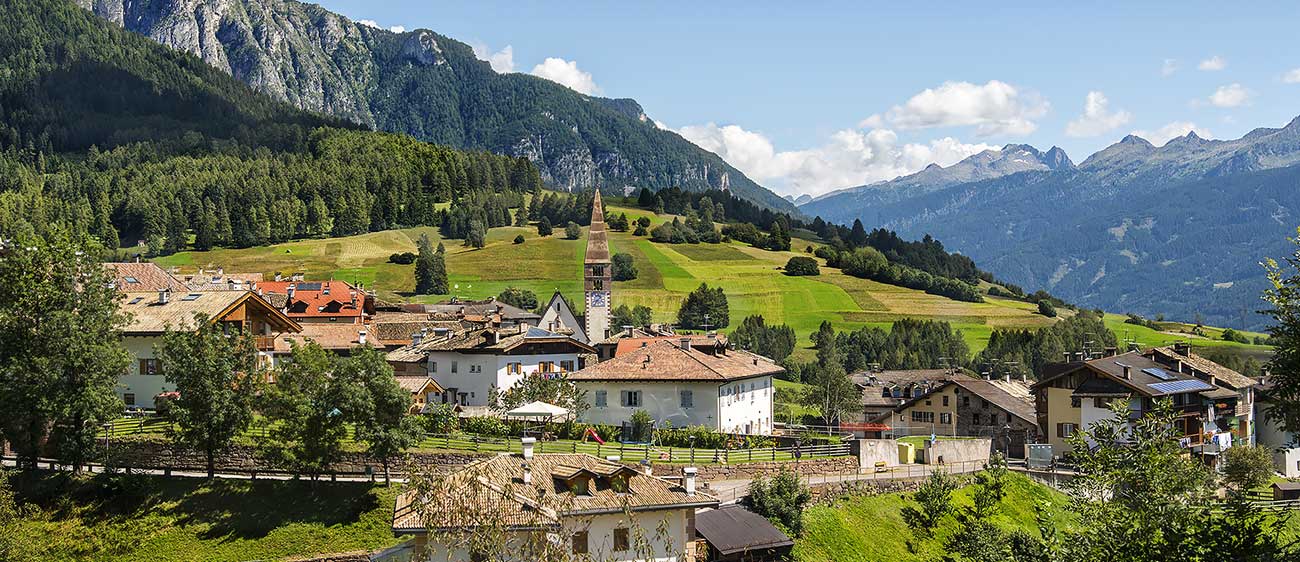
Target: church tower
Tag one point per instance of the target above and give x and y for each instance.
(597, 276)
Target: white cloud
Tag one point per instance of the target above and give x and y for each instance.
(1172, 131)
(1213, 63)
(1169, 67)
(1097, 117)
(369, 23)
(1292, 77)
(502, 61)
(1232, 95)
(995, 108)
(566, 73)
(397, 29)
(849, 158)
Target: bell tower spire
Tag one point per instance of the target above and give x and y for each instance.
(597, 275)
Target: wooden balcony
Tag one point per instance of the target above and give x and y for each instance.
(264, 343)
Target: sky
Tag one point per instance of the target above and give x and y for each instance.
(806, 98)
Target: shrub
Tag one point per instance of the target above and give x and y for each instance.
(486, 426)
(934, 499)
(801, 265)
(1232, 335)
(163, 403)
(1046, 309)
(1247, 466)
(520, 298)
(624, 268)
(781, 500)
(404, 258)
(639, 231)
(519, 239)
(641, 425)
(571, 231)
(544, 227)
(440, 418)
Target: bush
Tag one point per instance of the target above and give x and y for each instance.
(163, 403)
(1232, 335)
(519, 239)
(519, 298)
(781, 500)
(1046, 309)
(1247, 466)
(867, 263)
(439, 418)
(624, 269)
(404, 258)
(486, 426)
(572, 231)
(639, 231)
(641, 425)
(800, 265)
(544, 227)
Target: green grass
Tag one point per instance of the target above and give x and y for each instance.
(146, 518)
(751, 277)
(1171, 332)
(872, 528)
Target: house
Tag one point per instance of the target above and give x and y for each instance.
(491, 311)
(1075, 395)
(594, 508)
(736, 534)
(607, 347)
(339, 339)
(424, 391)
(1237, 414)
(558, 317)
(392, 330)
(142, 277)
(472, 363)
(219, 280)
(884, 390)
(680, 383)
(316, 301)
(1285, 444)
(154, 313)
(966, 406)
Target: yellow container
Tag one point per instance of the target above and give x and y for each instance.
(906, 453)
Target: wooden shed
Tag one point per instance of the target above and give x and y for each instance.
(1286, 491)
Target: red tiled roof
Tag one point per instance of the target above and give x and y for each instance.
(311, 301)
(626, 345)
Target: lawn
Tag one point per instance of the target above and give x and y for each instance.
(145, 518)
(872, 528)
(751, 277)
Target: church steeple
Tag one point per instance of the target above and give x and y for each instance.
(597, 275)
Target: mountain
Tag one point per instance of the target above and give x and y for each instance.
(845, 205)
(433, 88)
(1177, 229)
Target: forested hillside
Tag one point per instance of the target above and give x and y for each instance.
(108, 132)
(433, 88)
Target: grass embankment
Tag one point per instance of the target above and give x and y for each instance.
(751, 277)
(872, 528)
(145, 518)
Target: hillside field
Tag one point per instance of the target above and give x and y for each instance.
(751, 277)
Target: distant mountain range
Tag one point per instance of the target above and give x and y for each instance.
(1178, 229)
(434, 88)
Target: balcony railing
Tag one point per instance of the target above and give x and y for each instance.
(264, 343)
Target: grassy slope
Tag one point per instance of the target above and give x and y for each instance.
(172, 519)
(750, 276)
(871, 528)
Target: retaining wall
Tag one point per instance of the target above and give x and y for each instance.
(948, 451)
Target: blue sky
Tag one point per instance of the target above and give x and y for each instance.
(806, 97)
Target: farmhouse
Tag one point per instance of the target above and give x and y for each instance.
(154, 313)
(592, 507)
(968, 407)
(686, 385)
(316, 301)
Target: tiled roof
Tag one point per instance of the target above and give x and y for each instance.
(667, 361)
(705, 342)
(996, 395)
(149, 317)
(654, 331)
(416, 384)
(494, 488)
(479, 340)
(1221, 374)
(1145, 376)
(138, 277)
(483, 308)
(310, 299)
(329, 336)
(874, 383)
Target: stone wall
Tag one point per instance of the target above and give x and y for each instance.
(748, 470)
(156, 453)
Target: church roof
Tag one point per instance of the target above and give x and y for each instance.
(597, 244)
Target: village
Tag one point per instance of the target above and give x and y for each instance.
(675, 425)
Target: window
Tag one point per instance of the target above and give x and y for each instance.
(131, 280)
(985, 404)
(618, 484)
(192, 297)
(975, 419)
(945, 400)
(621, 542)
(579, 487)
(965, 401)
(929, 402)
(602, 397)
(546, 367)
(566, 366)
(514, 368)
(136, 300)
(1074, 402)
(598, 285)
(129, 398)
(476, 368)
(923, 417)
(150, 367)
(433, 366)
(454, 367)
(1065, 430)
(884, 393)
(631, 398)
(580, 542)
(688, 399)
(945, 418)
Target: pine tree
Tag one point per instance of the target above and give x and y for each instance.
(439, 286)
(425, 266)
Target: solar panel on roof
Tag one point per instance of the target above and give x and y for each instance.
(130, 279)
(192, 297)
(1159, 373)
(1189, 385)
(136, 300)
(309, 286)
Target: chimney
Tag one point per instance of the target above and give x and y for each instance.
(612, 458)
(417, 337)
(528, 474)
(325, 288)
(688, 477)
(645, 468)
(1007, 377)
(493, 337)
(527, 444)
(361, 336)
(290, 290)
(1128, 373)
(278, 277)
(163, 295)
(686, 344)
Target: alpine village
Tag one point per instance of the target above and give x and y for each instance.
(277, 284)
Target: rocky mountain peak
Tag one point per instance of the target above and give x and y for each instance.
(1057, 159)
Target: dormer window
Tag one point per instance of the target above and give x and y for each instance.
(618, 484)
(580, 487)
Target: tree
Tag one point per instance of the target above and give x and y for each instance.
(426, 268)
(867, 263)
(832, 391)
(934, 501)
(1046, 309)
(780, 499)
(519, 239)
(557, 391)
(773, 342)
(307, 410)
(382, 422)
(217, 376)
(572, 231)
(544, 227)
(60, 346)
(440, 285)
(801, 265)
(1247, 466)
(624, 269)
(990, 486)
(704, 308)
(659, 205)
(520, 298)
(476, 237)
(637, 316)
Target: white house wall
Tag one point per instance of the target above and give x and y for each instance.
(726, 408)
(1286, 451)
(644, 529)
(746, 406)
(144, 387)
(493, 374)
